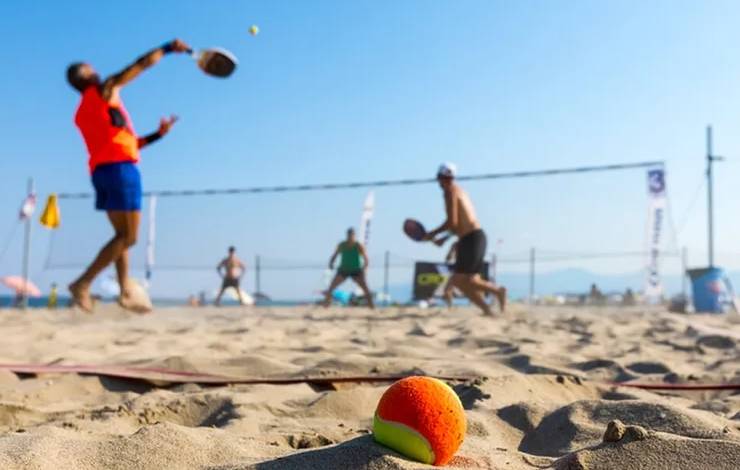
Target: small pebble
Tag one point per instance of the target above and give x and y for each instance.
(614, 431)
(637, 433)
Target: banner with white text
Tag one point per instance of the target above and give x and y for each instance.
(656, 216)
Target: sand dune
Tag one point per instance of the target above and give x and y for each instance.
(540, 393)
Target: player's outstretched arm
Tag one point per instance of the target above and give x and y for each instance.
(221, 265)
(334, 257)
(165, 124)
(116, 81)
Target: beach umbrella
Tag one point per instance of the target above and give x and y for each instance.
(20, 286)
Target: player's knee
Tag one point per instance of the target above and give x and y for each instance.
(129, 239)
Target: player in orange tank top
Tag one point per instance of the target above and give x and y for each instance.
(113, 149)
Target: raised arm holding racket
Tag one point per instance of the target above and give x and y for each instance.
(113, 149)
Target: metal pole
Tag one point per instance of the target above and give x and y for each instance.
(710, 206)
(531, 275)
(492, 269)
(385, 276)
(26, 251)
(257, 275)
(684, 264)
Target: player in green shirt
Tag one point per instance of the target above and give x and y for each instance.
(353, 264)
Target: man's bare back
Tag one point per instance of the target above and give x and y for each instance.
(232, 266)
(456, 199)
(233, 269)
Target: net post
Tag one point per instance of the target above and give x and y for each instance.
(531, 275)
(26, 251)
(684, 264)
(257, 274)
(386, 266)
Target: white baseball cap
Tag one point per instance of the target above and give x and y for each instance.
(447, 170)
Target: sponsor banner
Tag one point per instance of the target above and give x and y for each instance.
(430, 279)
(656, 215)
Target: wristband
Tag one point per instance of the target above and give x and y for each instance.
(152, 137)
(167, 47)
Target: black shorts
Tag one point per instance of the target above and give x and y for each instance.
(230, 282)
(351, 274)
(471, 251)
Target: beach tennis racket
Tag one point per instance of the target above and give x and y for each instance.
(216, 62)
(414, 229)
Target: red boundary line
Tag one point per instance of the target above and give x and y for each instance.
(175, 376)
(665, 386)
(178, 376)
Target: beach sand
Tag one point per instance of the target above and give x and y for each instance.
(542, 397)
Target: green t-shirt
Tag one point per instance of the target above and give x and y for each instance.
(350, 261)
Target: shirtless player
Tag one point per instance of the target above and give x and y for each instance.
(471, 244)
(231, 270)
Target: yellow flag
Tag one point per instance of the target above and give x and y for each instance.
(50, 218)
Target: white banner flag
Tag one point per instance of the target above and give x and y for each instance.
(367, 216)
(656, 215)
(151, 237)
(28, 207)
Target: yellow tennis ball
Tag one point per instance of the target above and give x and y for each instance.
(253, 30)
(421, 418)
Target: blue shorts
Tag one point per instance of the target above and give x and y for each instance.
(117, 187)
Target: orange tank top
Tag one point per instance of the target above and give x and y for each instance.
(107, 130)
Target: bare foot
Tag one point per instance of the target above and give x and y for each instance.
(128, 303)
(501, 296)
(81, 296)
(134, 299)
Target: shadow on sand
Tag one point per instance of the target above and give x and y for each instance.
(358, 453)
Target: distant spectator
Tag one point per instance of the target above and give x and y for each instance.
(595, 296)
(629, 298)
(51, 303)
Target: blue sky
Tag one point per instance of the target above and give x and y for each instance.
(335, 91)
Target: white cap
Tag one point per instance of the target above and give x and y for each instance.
(447, 169)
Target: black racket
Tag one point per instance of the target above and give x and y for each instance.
(414, 229)
(217, 62)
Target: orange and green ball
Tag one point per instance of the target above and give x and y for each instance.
(421, 418)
